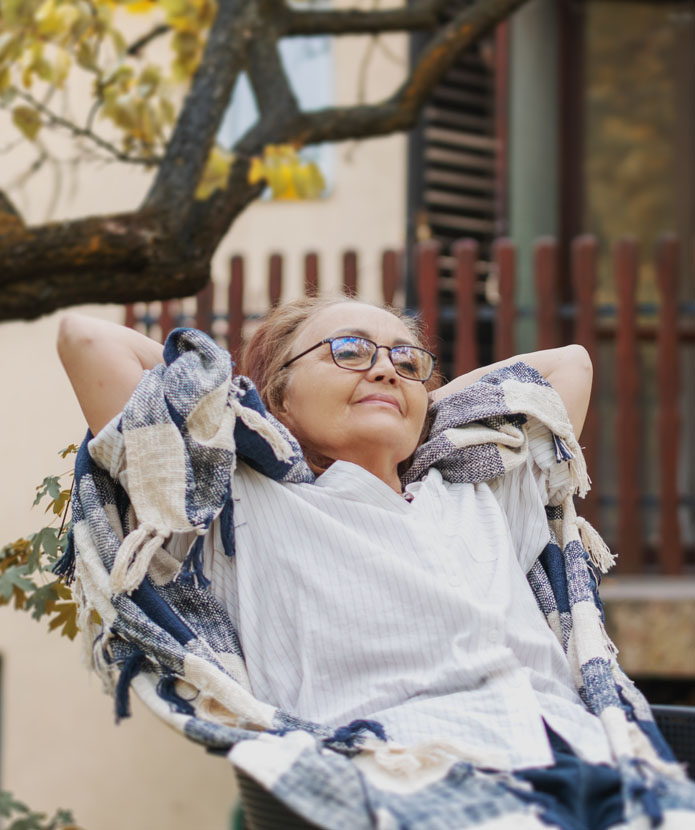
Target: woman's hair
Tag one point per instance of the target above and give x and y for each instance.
(271, 345)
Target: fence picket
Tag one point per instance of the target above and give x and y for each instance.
(275, 279)
(204, 304)
(504, 258)
(545, 262)
(629, 541)
(311, 274)
(390, 276)
(465, 253)
(427, 282)
(235, 306)
(668, 375)
(350, 274)
(584, 257)
(167, 317)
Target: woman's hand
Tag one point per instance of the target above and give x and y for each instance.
(104, 362)
(568, 369)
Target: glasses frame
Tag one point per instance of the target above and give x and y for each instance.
(389, 349)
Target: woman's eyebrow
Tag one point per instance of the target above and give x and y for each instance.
(362, 333)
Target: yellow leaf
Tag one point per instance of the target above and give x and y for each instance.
(140, 6)
(66, 616)
(60, 68)
(256, 170)
(55, 20)
(308, 181)
(216, 173)
(27, 120)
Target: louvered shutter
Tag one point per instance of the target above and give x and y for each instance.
(452, 166)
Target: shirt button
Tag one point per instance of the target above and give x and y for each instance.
(493, 635)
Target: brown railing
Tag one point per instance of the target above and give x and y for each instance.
(624, 326)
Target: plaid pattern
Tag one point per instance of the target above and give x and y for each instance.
(163, 633)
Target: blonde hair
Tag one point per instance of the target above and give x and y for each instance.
(271, 345)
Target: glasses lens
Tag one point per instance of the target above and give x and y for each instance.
(352, 352)
(412, 362)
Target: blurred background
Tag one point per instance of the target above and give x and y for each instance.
(546, 196)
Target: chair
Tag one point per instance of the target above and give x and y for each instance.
(260, 810)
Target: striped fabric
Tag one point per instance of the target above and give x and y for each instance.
(167, 632)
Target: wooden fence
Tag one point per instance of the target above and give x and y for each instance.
(669, 325)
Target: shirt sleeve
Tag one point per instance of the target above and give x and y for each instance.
(524, 492)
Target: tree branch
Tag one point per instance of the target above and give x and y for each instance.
(271, 87)
(138, 45)
(400, 111)
(101, 259)
(9, 215)
(237, 23)
(164, 249)
(422, 14)
(83, 132)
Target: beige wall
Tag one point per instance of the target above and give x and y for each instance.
(58, 742)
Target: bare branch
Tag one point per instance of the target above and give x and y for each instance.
(400, 112)
(420, 15)
(8, 212)
(138, 45)
(56, 120)
(271, 87)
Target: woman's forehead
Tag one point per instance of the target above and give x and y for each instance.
(358, 318)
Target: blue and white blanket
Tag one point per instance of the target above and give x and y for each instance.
(162, 632)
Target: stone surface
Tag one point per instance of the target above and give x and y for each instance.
(652, 622)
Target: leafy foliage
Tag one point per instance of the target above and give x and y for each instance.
(45, 44)
(26, 579)
(20, 817)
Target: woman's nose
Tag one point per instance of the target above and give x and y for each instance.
(383, 369)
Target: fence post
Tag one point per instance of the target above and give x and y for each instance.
(584, 251)
(350, 274)
(204, 300)
(545, 266)
(465, 253)
(628, 424)
(275, 279)
(667, 254)
(235, 306)
(503, 254)
(390, 275)
(427, 254)
(311, 274)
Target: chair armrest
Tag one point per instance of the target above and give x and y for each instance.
(677, 725)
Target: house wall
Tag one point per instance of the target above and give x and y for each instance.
(58, 743)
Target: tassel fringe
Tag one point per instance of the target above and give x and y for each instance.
(64, 568)
(134, 557)
(599, 552)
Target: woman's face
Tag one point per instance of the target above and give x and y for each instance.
(375, 416)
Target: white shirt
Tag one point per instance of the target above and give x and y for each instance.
(352, 602)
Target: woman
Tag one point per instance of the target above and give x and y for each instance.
(404, 610)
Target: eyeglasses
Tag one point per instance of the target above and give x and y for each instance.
(359, 354)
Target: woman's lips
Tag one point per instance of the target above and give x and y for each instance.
(381, 400)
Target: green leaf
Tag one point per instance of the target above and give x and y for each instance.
(27, 120)
(15, 577)
(49, 486)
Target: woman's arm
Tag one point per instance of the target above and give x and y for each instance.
(104, 362)
(567, 369)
